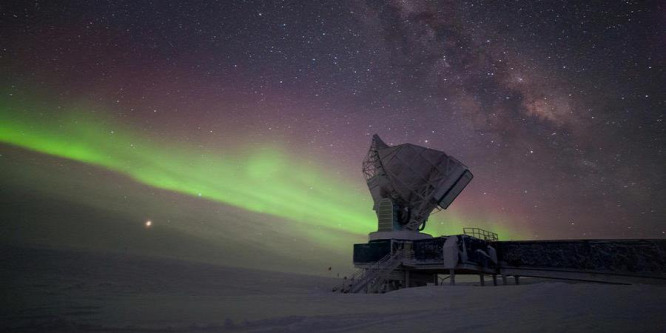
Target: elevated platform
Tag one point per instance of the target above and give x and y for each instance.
(605, 261)
(599, 260)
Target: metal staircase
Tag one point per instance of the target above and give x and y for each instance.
(371, 279)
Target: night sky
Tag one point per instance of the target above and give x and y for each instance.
(238, 127)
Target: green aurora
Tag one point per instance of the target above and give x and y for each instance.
(267, 180)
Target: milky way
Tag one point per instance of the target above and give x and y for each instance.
(268, 108)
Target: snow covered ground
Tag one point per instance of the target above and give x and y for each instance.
(46, 290)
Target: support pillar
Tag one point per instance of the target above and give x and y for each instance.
(407, 279)
(436, 279)
(452, 277)
(504, 281)
(494, 279)
(483, 282)
(517, 279)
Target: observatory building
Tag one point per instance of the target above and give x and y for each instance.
(407, 182)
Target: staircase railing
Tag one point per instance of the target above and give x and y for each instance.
(372, 276)
(376, 280)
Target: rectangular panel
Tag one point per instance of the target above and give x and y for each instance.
(460, 184)
(371, 252)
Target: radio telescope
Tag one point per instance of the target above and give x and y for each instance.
(407, 182)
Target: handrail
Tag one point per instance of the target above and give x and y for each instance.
(376, 272)
(481, 234)
(382, 275)
(356, 276)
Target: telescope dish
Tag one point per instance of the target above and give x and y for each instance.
(407, 182)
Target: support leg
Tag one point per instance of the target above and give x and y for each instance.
(494, 279)
(452, 277)
(483, 282)
(517, 279)
(504, 282)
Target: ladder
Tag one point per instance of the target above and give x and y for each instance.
(371, 279)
